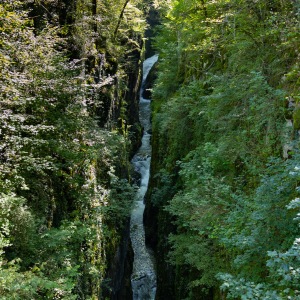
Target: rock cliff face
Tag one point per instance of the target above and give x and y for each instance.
(118, 284)
(148, 85)
(117, 59)
(158, 225)
(153, 19)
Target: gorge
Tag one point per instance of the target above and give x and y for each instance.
(218, 192)
(143, 277)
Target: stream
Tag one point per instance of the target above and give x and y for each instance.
(143, 279)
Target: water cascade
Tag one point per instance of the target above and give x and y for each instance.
(143, 279)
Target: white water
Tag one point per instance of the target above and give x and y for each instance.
(143, 279)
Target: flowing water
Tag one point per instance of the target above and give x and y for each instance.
(143, 279)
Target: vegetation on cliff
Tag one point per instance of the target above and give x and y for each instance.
(222, 208)
(70, 73)
(225, 166)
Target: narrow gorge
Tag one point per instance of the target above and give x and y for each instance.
(143, 277)
(106, 194)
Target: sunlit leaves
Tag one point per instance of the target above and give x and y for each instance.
(56, 156)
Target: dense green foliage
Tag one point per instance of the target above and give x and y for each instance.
(65, 192)
(226, 161)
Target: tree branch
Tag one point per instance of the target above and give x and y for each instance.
(120, 18)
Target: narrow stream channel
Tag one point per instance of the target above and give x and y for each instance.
(143, 279)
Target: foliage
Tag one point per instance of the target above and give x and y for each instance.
(16, 229)
(283, 277)
(269, 220)
(64, 174)
(167, 190)
(225, 106)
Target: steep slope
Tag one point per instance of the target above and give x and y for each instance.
(225, 151)
(70, 74)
